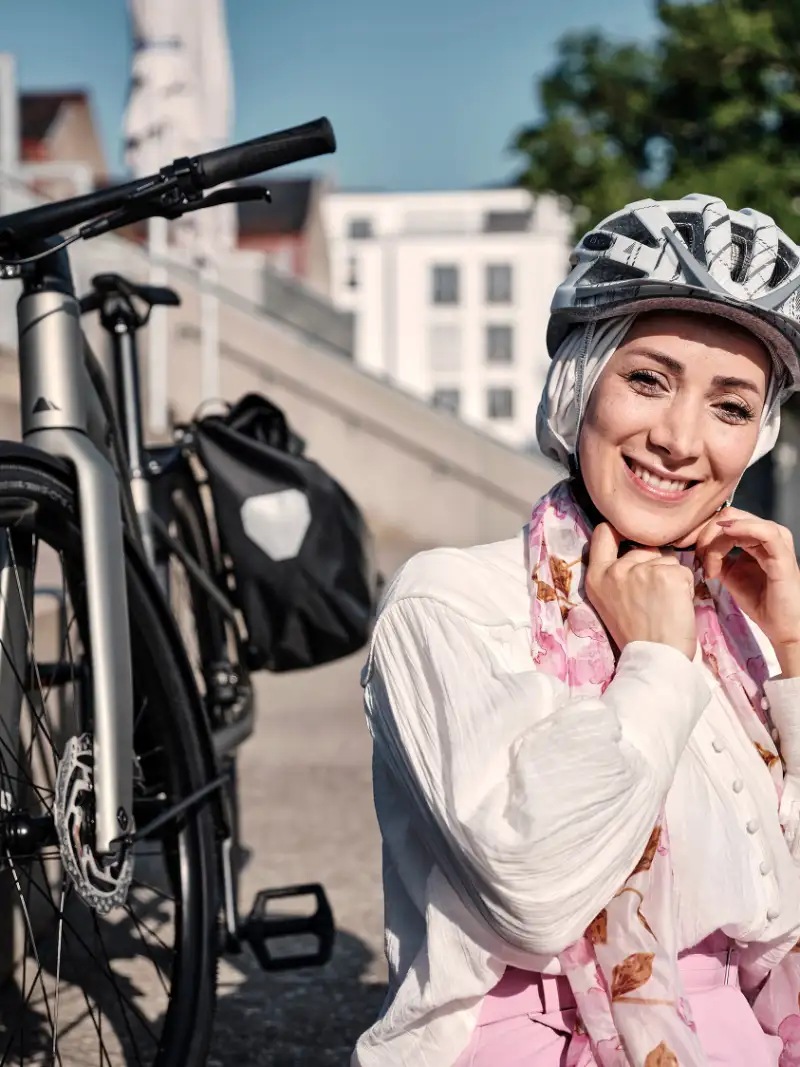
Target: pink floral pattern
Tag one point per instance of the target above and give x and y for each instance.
(789, 1033)
(632, 1010)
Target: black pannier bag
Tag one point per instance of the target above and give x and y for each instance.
(299, 546)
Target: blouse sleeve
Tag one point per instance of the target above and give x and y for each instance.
(783, 695)
(536, 805)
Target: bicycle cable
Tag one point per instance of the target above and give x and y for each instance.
(40, 255)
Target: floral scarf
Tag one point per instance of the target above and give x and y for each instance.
(632, 1009)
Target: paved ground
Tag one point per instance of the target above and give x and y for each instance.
(307, 816)
(307, 813)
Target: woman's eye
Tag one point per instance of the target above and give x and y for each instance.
(645, 381)
(736, 411)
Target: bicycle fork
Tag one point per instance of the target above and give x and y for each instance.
(58, 419)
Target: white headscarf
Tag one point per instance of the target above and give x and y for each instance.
(576, 369)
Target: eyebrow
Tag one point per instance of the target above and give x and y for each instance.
(674, 365)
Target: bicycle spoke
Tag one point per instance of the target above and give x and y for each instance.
(97, 1023)
(156, 937)
(122, 1002)
(64, 890)
(139, 925)
(29, 628)
(29, 928)
(153, 889)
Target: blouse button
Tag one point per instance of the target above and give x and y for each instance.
(752, 826)
(764, 867)
(717, 745)
(764, 704)
(772, 914)
(738, 785)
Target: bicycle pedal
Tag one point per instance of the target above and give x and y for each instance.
(280, 942)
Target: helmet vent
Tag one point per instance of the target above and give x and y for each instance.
(690, 227)
(632, 227)
(607, 270)
(785, 263)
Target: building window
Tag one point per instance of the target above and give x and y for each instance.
(352, 273)
(500, 403)
(359, 229)
(498, 283)
(444, 288)
(507, 221)
(447, 400)
(444, 347)
(499, 344)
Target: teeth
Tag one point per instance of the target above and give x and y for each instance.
(670, 484)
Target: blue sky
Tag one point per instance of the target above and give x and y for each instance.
(421, 93)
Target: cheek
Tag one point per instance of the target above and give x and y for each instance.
(606, 427)
(729, 449)
(616, 416)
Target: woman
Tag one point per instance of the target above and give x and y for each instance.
(587, 770)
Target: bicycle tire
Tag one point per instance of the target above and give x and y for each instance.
(167, 746)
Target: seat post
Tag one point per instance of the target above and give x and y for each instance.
(116, 298)
(122, 327)
(121, 323)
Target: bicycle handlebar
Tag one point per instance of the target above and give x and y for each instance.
(184, 177)
(265, 153)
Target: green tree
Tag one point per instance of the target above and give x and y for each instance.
(712, 105)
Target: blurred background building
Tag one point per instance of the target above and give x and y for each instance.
(450, 292)
(439, 294)
(432, 478)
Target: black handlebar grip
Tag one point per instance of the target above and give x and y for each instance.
(265, 153)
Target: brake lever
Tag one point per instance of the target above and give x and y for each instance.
(144, 208)
(235, 195)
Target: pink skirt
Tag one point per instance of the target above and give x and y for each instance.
(527, 1018)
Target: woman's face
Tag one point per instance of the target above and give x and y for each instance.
(672, 423)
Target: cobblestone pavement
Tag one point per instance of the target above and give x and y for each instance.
(307, 815)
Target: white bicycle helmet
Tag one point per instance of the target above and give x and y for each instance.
(694, 253)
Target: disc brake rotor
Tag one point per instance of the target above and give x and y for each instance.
(102, 882)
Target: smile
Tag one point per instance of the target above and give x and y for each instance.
(657, 486)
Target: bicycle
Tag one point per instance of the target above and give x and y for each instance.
(117, 801)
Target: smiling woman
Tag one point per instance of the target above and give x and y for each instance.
(672, 424)
(587, 739)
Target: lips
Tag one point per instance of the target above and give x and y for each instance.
(656, 485)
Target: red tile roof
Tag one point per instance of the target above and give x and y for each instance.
(38, 111)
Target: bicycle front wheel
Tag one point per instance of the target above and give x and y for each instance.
(80, 983)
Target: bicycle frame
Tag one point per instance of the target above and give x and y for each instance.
(149, 471)
(61, 415)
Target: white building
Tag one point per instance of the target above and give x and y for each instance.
(451, 292)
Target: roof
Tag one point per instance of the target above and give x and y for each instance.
(286, 214)
(38, 111)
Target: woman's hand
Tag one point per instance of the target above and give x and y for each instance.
(645, 595)
(764, 579)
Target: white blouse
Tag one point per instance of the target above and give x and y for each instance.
(511, 812)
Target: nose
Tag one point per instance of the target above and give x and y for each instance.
(676, 433)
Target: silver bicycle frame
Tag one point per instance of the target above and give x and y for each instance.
(60, 417)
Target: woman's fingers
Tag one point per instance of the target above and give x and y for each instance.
(765, 545)
(604, 546)
(777, 539)
(636, 556)
(712, 527)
